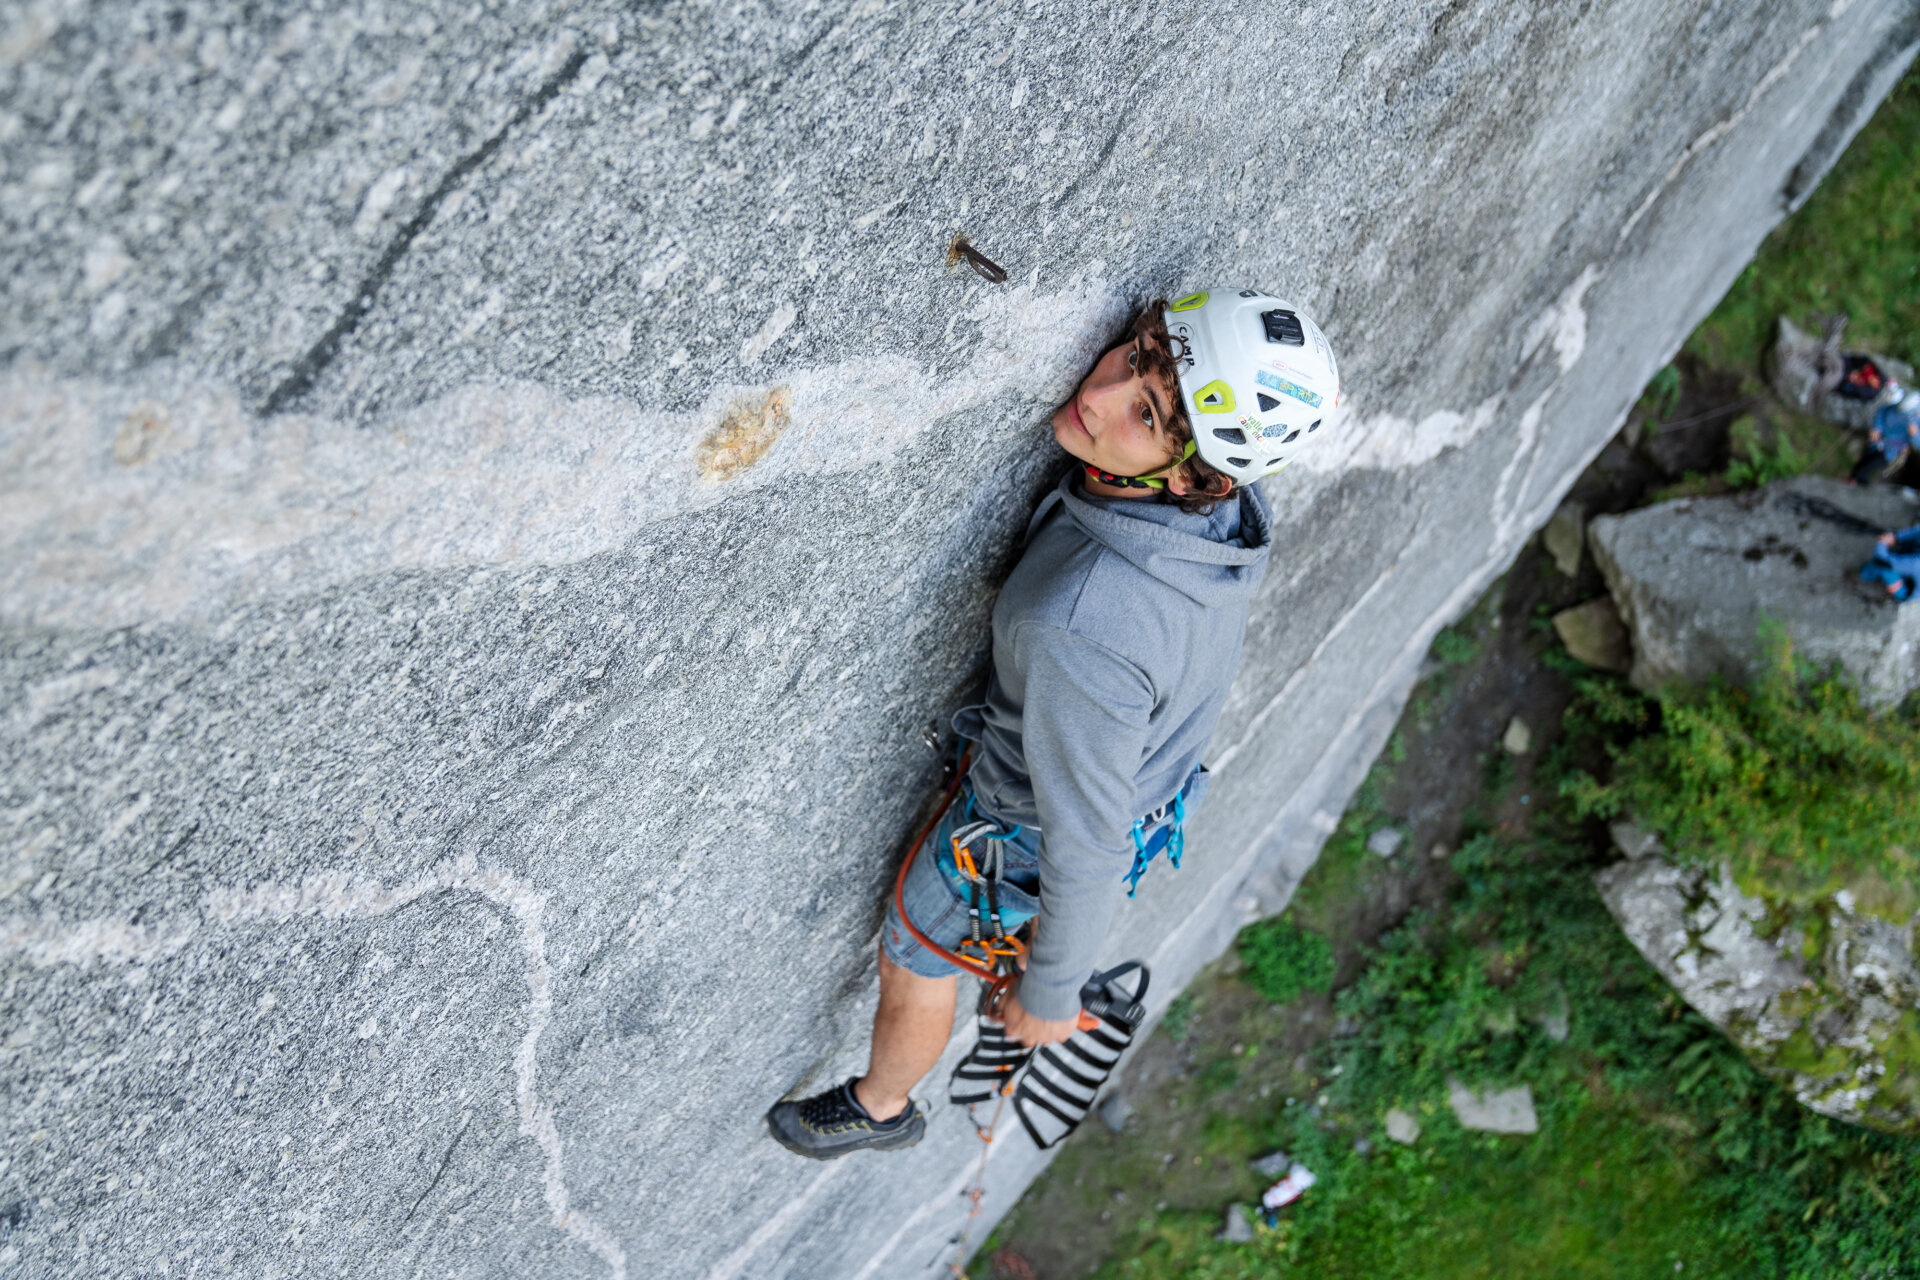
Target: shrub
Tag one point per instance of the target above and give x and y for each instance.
(1754, 464)
(1282, 959)
(1790, 781)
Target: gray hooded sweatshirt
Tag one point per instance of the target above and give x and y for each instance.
(1114, 643)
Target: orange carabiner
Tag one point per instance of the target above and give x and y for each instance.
(963, 859)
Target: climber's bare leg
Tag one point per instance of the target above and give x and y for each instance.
(910, 1031)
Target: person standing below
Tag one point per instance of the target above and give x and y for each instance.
(1895, 566)
(1115, 641)
(1895, 431)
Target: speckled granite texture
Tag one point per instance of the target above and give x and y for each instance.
(491, 497)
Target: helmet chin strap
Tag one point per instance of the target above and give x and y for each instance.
(1151, 480)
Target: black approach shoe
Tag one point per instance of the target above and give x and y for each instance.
(831, 1124)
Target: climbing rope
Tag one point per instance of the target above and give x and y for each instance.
(994, 962)
(978, 1191)
(1052, 1103)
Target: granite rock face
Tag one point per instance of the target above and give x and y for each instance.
(1695, 578)
(495, 496)
(1826, 999)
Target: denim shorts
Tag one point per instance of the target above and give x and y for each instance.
(937, 897)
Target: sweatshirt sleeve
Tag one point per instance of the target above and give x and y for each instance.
(1084, 730)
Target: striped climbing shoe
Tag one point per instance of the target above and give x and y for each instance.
(990, 1066)
(833, 1123)
(1061, 1080)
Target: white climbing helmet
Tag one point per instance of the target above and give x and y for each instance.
(1258, 377)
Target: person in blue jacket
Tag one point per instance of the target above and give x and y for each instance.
(1115, 641)
(1895, 430)
(1896, 563)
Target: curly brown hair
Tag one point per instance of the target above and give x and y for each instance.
(1208, 486)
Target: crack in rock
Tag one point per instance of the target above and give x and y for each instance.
(300, 379)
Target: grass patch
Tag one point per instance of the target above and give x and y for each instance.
(1791, 781)
(1658, 1143)
(1755, 462)
(1282, 960)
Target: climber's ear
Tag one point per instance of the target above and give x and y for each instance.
(1217, 487)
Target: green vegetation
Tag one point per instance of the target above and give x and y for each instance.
(1853, 247)
(1755, 463)
(1792, 782)
(1662, 393)
(1658, 1143)
(1178, 1015)
(1282, 960)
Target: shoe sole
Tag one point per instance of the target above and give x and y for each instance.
(907, 1137)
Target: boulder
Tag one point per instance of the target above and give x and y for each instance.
(1594, 634)
(1493, 1110)
(1566, 537)
(1634, 840)
(1386, 842)
(1802, 366)
(1825, 1002)
(1695, 578)
(1402, 1127)
(1239, 1225)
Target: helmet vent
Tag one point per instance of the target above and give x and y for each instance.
(1272, 462)
(1239, 462)
(1315, 426)
(1232, 435)
(1292, 436)
(1267, 403)
(1284, 326)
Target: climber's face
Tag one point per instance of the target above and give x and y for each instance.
(1117, 420)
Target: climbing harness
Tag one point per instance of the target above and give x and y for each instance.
(993, 965)
(996, 949)
(1062, 1080)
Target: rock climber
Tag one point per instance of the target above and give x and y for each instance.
(1114, 642)
(1896, 563)
(1895, 430)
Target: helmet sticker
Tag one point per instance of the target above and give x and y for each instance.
(1286, 388)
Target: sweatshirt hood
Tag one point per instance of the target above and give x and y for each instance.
(1213, 559)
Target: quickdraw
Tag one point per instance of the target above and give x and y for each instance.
(997, 950)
